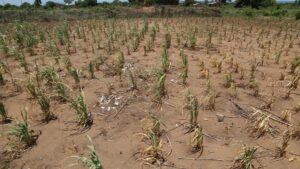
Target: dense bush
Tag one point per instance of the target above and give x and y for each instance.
(254, 3)
(297, 15)
(151, 2)
(242, 3)
(249, 13)
(68, 1)
(279, 12)
(50, 5)
(9, 6)
(189, 2)
(25, 5)
(86, 3)
(37, 3)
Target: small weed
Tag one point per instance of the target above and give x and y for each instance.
(32, 89)
(280, 151)
(3, 114)
(92, 161)
(262, 124)
(92, 70)
(83, 116)
(132, 80)
(159, 88)
(154, 154)
(245, 160)
(75, 74)
(167, 40)
(22, 131)
(184, 73)
(44, 103)
(197, 140)
(165, 61)
(49, 74)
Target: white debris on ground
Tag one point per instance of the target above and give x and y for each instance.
(173, 81)
(110, 103)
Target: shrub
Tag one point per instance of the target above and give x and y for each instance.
(254, 3)
(279, 12)
(50, 5)
(86, 3)
(83, 116)
(159, 2)
(9, 6)
(3, 113)
(297, 15)
(149, 2)
(25, 5)
(249, 13)
(188, 2)
(22, 131)
(37, 3)
(92, 161)
(262, 3)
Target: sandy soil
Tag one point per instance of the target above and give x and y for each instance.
(117, 136)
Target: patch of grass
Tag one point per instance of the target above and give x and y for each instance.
(228, 80)
(132, 80)
(167, 39)
(184, 73)
(192, 40)
(61, 91)
(92, 70)
(67, 63)
(2, 81)
(44, 103)
(3, 113)
(92, 161)
(22, 132)
(281, 150)
(165, 61)
(23, 62)
(297, 15)
(197, 140)
(295, 132)
(154, 153)
(83, 115)
(75, 73)
(245, 160)
(118, 64)
(159, 88)
(49, 74)
(153, 126)
(32, 89)
(210, 100)
(193, 107)
(262, 124)
(294, 64)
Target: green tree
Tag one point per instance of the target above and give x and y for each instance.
(50, 5)
(67, 2)
(25, 5)
(37, 3)
(189, 2)
(254, 3)
(297, 15)
(9, 6)
(86, 3)
(149, 2)
(167, 2)
(152, 2)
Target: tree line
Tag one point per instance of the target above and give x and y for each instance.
(89, 3)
